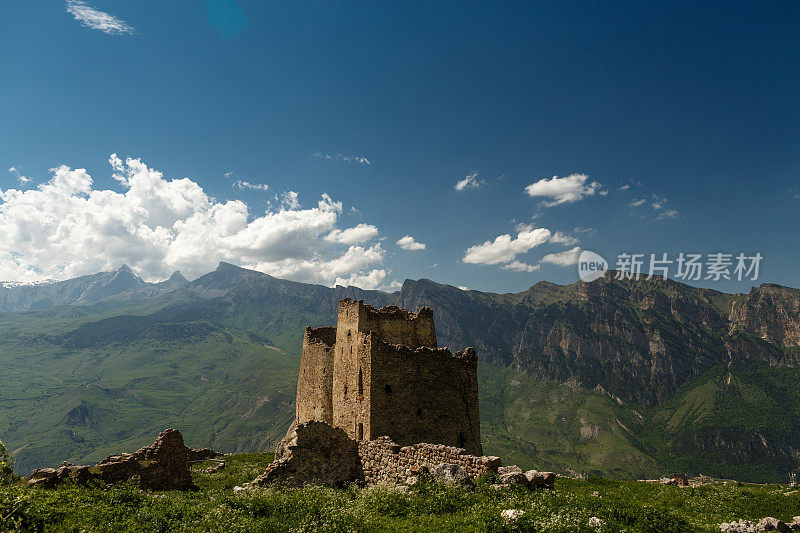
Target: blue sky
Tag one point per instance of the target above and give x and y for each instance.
(691, 107)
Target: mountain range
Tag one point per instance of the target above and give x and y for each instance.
(84, 290)
(622, 377)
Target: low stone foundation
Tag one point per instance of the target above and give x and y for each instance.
(315, 452)
(384, 461)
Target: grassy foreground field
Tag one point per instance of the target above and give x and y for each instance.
(621, 505)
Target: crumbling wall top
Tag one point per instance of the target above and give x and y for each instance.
(389, 311)
(325, 335)
(467, 356)
(394, 324)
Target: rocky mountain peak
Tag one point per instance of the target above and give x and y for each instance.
(177, 276)
(770, 311)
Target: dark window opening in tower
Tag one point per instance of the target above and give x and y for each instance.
(388, 389)
(360, 383)
(419, 411)
(462, 441)
(360, 431)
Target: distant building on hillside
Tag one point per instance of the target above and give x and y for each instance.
(379, 372)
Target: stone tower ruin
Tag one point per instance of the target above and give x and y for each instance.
(380, 373)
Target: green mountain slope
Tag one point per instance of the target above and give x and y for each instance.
(739, 423)
(630, 378)
(84, 397)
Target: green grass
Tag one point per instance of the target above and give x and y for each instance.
(623, 505)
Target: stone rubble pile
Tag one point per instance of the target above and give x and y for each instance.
(765, 524)
(215, 468)
(203, 454)
(163, 465)
(315, 452)
(532, 479)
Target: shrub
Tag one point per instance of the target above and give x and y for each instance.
(6, 465)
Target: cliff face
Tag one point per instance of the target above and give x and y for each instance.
(772, 313)
(640, 340)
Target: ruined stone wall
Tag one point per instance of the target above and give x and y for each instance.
(385, 461)
(315, 384)
(424, 395)
(378, 372)
(314, 453)
(394, 324)
(351, 378)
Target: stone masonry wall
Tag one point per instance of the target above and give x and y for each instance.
(313, 453)
(351, 378)
(379, 372)
(315, 384)
(383, 461)
(424, 395)
(394, 324)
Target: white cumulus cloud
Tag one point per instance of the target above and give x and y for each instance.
(354, 235)
(470, 181)
(565, 258)
(505, 248)
(18, 174)
(563, 190)
(519, 266)
(65, 228)
(408, 243)
(95, 19)
(290, 200)
(562, 238)
(375, 279)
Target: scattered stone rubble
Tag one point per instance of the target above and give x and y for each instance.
(765, 524)
(532, 479)
(215, 468)
(164, 465)
(596, 523)
(315, 452)
(203, 454)
(682, 480)
(511, 515)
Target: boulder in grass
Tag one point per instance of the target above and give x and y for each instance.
(510, 516)
(452, 474)
(538, 479)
